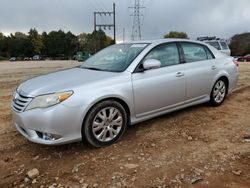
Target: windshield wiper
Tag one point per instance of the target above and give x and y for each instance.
(92, 68)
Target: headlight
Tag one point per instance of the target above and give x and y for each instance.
(45, 101)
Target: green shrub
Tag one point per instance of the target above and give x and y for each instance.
(3, 58)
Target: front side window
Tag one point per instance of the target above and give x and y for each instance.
(115, 58)
(215, 45)
(194, 52)
(167, 54)
(224, 46)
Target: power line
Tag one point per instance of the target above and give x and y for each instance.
(99, 7)
(149, 5)
(96, 6)
(103, 5)
(136, 28)
(92, 5)
(129, 17)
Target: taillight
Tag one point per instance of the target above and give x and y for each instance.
(236, 63)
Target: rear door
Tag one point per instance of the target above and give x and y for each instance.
(200, 70)
(157, 89)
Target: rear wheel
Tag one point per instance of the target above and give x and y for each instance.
(105, 123)
(218, 93)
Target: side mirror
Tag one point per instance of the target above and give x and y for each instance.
(151, 64)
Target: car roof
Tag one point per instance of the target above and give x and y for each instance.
(214, 41)
(160, 41)
(211, 41)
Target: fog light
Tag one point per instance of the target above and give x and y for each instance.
(50, 137)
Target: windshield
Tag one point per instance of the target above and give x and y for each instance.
(115, 58)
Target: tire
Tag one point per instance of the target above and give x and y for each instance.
(219, 92)
(104, 124)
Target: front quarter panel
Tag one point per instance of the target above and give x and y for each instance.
(88, 95)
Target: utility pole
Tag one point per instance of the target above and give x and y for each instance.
(106, 25)
(136, 29)
(123, 35)
(114, 23)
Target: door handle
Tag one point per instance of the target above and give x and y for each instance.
(179, 74)
(213, 67)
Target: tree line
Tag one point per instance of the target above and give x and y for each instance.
(54, 45)
(61, 45)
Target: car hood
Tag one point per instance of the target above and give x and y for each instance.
(62, 81)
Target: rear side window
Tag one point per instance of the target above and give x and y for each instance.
(194, 52)
(215, 45)
(167, 54)
(224, 46)
(209, 54)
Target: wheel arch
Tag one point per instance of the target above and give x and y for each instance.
(222, 75)
(224, 78)
(114, 98)
(212, 101)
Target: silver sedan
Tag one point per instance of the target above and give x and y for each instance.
(121, 85)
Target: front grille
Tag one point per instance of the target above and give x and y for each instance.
(20, 102)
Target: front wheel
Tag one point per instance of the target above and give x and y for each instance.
(105, 123)
(218, 93)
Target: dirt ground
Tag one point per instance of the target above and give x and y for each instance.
(198, 147)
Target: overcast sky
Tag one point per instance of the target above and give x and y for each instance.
(222, 18)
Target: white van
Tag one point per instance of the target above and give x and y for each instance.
(219, 44)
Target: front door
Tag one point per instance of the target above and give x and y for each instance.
(157, 89)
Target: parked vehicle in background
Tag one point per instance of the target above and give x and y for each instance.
(13, 59)
(36, 57)
(219, 44)
(81, 56)
(121, 85)
(244, 58)
(27, 58)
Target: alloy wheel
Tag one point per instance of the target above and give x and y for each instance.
(107, 124)
(219, 91)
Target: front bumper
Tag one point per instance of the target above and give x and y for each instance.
(60, 120)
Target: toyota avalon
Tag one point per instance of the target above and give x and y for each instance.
(121, 85)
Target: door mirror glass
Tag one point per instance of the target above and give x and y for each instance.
(151, 64)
